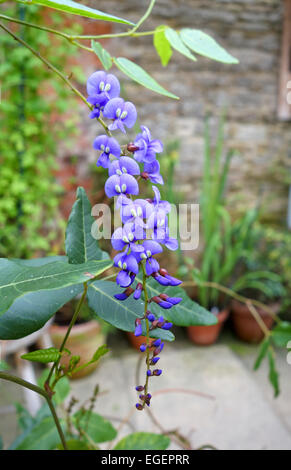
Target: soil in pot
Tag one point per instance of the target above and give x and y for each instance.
(206, 335)
(85, 338)
(244, 324)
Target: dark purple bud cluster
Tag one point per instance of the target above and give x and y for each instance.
(154, 349)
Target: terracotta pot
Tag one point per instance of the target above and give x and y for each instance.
(135, 341)
(205, 335)
(83, 341)
(246, 326)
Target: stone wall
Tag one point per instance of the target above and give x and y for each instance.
(251, 31)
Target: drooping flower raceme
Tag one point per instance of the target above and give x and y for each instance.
(144, 221)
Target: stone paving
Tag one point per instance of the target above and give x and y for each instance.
(236, 408)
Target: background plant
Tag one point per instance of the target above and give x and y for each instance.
(29, 131)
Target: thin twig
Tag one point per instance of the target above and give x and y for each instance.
(233, 294)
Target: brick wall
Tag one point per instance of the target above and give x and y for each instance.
(251, 31)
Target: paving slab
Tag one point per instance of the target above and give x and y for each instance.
(239, 416)
(239, 411)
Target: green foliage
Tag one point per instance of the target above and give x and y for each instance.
(229, 245)
(61, 389)
(29, 196)
(80, 245)
(187, 313)
(122, 315)
(104, 56)
(76, 8)
(16, 279)
(30, 312)
(42, 355)
(139, 75)
(203, 44)
(143, 441)
(162, 45)
(94, 426)
(41, 436)
(176, 42)
(281, 334)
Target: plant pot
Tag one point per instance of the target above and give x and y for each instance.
(206, 335)
(83, 341)
(244, 324)
(135, 341)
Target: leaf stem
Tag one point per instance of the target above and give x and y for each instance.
(43, 393)
(236, 296)
(48, 64)
(72, 322)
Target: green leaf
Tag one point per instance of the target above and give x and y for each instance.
(281, 334)
(104, 56)
(273, 373)
(162, 45)
(143, 441)
(4, 365)
(62, 388)
(96, 427)
(186, 313)
(42, 355)
(264, 346)
(123, 314)
(177, 43)
(203, 44)
(43, 436)
(17, 279)
(80, 245)
(74, 444)
(30, 312)
(24, 418)
(1, 443)
(76, 8)
(101, 351)
(139, 75)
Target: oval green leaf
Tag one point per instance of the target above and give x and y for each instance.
(17, 279)
(43, 355)
(80, 245)
(68, 6)
(177, 43)
(103, 55)
(123, 314)
(203, 44)
(162, 45)
(139, 75)
(143, 441)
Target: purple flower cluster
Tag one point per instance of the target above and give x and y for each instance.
(144, 221)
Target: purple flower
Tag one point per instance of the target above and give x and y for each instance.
(124, 184)
(127, 262)
(151, 171)
(122, 112)
(123, 166)
(102, 87)
(108, 146)
(147, 147)
(167, 326)
(150, 248)
(138, 330)
(124, 278)
(134, 211)
(125, 237)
